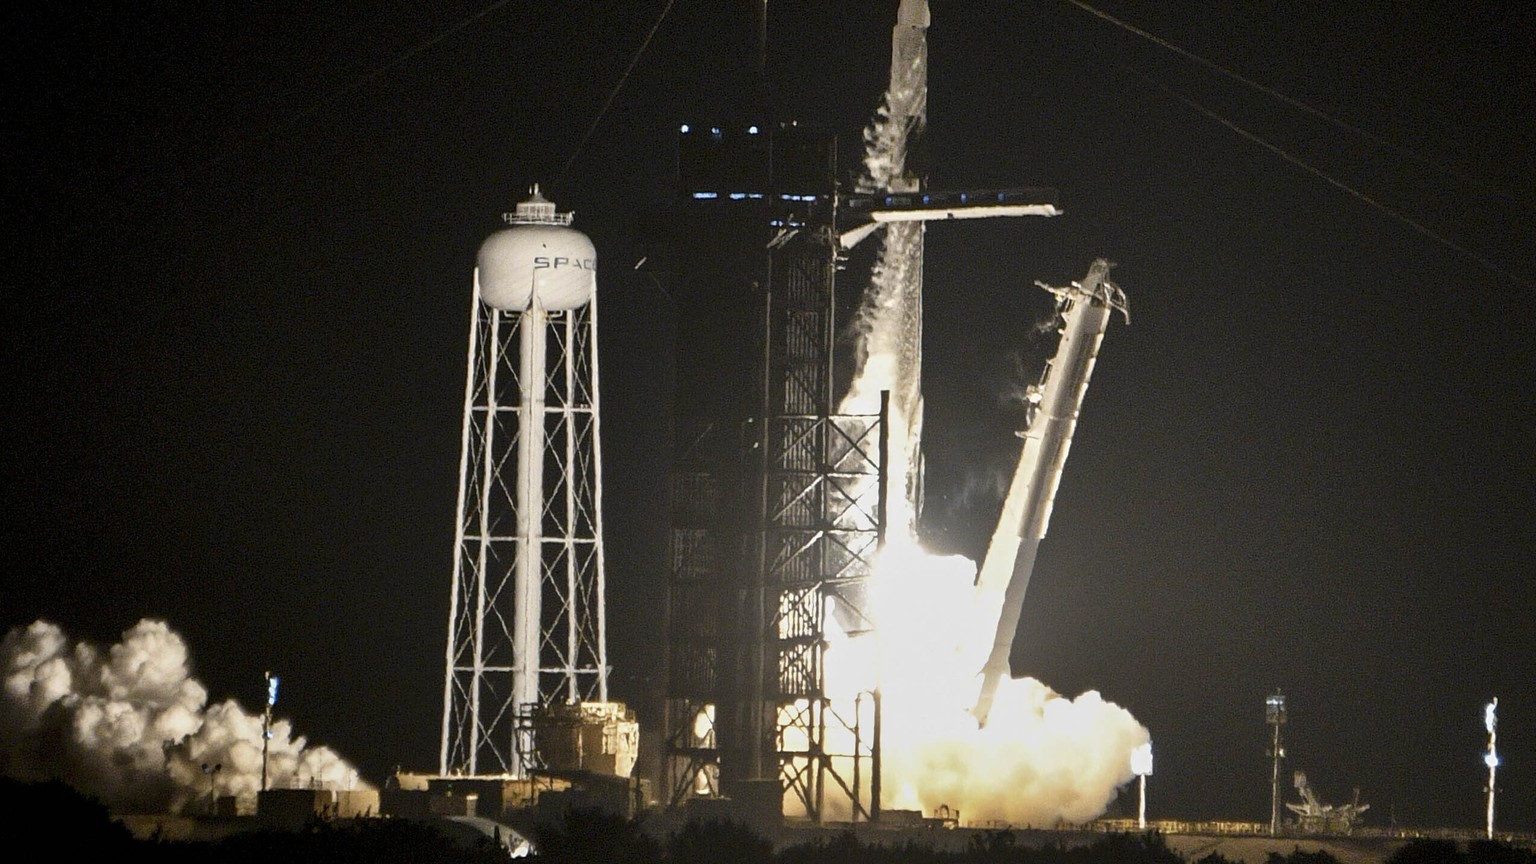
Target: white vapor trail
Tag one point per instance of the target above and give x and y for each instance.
(130, 725)
(889, 323)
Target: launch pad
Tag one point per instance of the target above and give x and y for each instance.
(798, 463)
(801, 460)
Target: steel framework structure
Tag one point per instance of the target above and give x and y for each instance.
(776, 522)
(819, 525)
(705, 551)
(526, 625)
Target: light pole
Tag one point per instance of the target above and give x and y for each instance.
(1274, 715)
(1141, 766)
(266, 725)
(209, 771)
(1491, 758)
(858, 755)
(871, 814)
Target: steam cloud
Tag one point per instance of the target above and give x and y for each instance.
(131, 726)
(1042, 759)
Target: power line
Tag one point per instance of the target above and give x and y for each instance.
(1299, 105)
(1380, 206)
(613, 94)
(362, 81)
(369, 77)
(1341, 185)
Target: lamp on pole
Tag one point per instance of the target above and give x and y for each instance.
(266, 725)
(1274, 715)
(1491, 758)
(1141, 766)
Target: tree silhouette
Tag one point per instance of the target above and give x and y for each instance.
(76, 825)
(1297, 856)
(1498, 852)
(1424, 851)
(712, 841)
(586, 836)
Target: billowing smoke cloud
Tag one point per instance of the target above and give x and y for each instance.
(1042, 759)
(131, 726)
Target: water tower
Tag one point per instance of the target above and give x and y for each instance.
(526, 628)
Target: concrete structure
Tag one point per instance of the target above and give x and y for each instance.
(293, 808)
(596, 737)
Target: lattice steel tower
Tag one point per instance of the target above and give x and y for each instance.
(776, 496)
(526, 626)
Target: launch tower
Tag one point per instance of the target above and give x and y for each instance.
(776, 495)
(787, 480)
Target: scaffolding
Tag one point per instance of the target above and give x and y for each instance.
(777, 517)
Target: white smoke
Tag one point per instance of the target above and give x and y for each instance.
(903, 112)
(131, 726)
(1042, 759)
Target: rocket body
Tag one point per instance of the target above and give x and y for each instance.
(1084, 310)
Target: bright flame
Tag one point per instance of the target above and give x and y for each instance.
(1141, 760)
(1042, 759)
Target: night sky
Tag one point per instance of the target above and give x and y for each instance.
(239, 240)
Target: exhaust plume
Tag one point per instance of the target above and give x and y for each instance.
(131, 726)
(1043, 759)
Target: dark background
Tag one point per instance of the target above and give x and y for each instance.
(239, 240)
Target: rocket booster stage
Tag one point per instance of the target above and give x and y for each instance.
(1083, 311)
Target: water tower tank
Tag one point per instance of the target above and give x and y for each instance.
(539, 256)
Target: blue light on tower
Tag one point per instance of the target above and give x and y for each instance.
(266, 725)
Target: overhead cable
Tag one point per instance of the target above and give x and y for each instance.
(1298, 104)
(614, 93)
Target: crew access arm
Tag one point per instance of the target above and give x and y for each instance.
(1083, 310)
